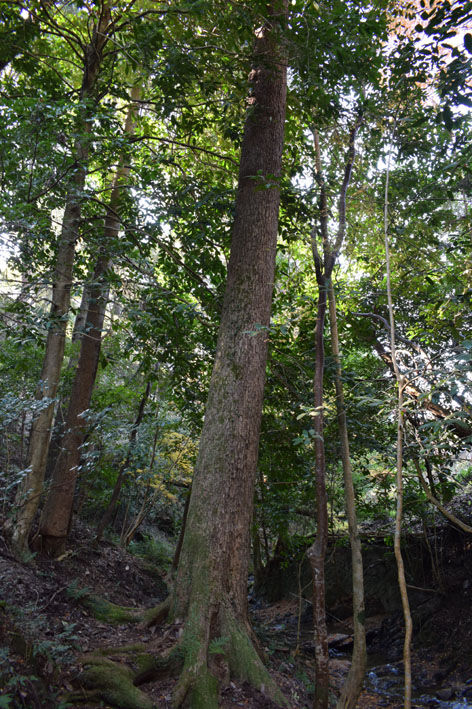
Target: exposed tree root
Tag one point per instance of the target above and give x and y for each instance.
(114, 683)
(207, 655)
(114, 674)
(209, 660)
(157, 614)
(107, 611)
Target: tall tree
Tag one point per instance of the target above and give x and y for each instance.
(57, 510)
(355, 679)
(210, 591)
(31, 487)
(324, 264)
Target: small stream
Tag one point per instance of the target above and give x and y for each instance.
(384, 677)
(386, 680)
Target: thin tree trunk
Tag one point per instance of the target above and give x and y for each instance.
(56, 515)
(210, 591)
(107, 515)
(178, 548)
(401, 384)
(324, 265)
(317, 552)
(353, 684)
(31, 487)
(81, 317)
(128, 535)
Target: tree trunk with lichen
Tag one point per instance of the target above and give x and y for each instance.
(30, 490)
(210, 591)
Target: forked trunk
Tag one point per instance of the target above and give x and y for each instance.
(30, 490)
(210, 591)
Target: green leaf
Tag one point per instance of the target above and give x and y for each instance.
(468, 42)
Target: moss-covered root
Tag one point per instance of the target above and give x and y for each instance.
(198, 684)
(107, 611)
(156, 615)
(245, 663)
(113, 683)
(145, 666)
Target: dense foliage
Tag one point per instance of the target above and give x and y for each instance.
(405, 71)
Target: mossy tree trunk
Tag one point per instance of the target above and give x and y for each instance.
(210, 591)
(31, 487)
(57, 511)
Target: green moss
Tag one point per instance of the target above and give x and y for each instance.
(110, 612)
(155, 615)
(114, 684)
(204, 693)
(246, 665)
(145, 665)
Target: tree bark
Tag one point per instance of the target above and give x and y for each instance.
(401, 384)
(353, 684)
(324, 264)
(317, 552)
(31, 487)
(210, 591)
(57, 511)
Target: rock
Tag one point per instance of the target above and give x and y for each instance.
(339, 639)
(445, 694)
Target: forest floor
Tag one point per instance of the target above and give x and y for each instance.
(47, 630)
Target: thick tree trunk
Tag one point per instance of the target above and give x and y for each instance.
(56, 515)
(354, 681)
(31, 487)
(210, 591)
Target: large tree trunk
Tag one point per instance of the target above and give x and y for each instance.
(57, 511)
(31, 487)
(210, 591)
